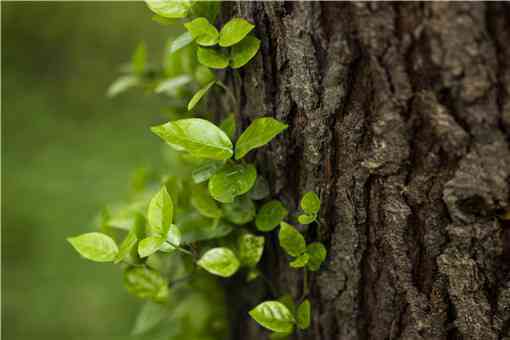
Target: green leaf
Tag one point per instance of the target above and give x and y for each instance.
(206, 170)
(204, 75)
(260, 132)
(260, 190)
(122, 84)
(170, 8)
(306, 219)
(129, 243)
(208, 9)
(173, 84)
(291, 240)
(310, 203)
(273, 315)
(198, 95)
(150, 245)
(204, 203)
(303, 315)
(288, 301)
(243, 52)
(234, 31)
(202, 31)
(317, 253)
(174, 236)
(251, 248)
(232, 181)
(228, 125)
(139, 59)
(211, 57)
(300, 261)
(146, 283)
(241, 211)
(194, 227)
(197, 136)
(270, 215)
(149, 317)
(160, 213)
(219, 261)
(181, 41)
(95, 246)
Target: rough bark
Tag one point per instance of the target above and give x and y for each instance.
(399, 117)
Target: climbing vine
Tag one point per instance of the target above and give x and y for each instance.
(210, 213)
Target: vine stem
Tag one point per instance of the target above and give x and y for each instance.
(306, 288)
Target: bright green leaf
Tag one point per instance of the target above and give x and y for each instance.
(291, 240)
(174, 235)
(95, 246)
(181, 41)
(288, 301)
(150, 245)
(129, 243)
(139, 59)
(197, 136)
(243, 52)
(234, 31)
(173, 84)
(303, 315)
(170, 8)
(306, 219)
(149, 317)
(241, 211)
(198, 95)
(273, 315)
(260, 132)
(317, 253)
(202, 31)
(167, 248)
(204, 75)
(251, 248)
(146, 283)
(219, 261)
(232, 181)
(310, 203)
(300, 261)
(270, 215)
(206, 170)
(160, 213)
(122, 84)
(211, 57)
(204, 203)
(228, 125)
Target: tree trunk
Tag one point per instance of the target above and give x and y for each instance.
(399, 117)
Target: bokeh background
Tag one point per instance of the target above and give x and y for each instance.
(67, 150)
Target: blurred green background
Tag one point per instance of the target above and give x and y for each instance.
(67, 150)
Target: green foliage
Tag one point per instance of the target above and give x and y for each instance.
(146, 283)
(291, 240)
(202, 32)
(274, 315)
(150, 245)
(204, 203)
(244, 51)
(251, 248)
(300, 261)
(212, 57)
(160, 214)
(234, 31)
(180, 42)
(95, 246)
(198, 95)
(172, 9)
(219, 261)
(270, 215)
(311, 204)
(205, 170)
(317, 253)
(241, 211)
(260, 132)
(231, 181)
(260, 190)
(303, 315)
(228, 125)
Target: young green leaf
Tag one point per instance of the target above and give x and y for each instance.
(317, 253)
(167, 248)
(149, 317)
(241, 211)
(173, 84)
(303, 315)
(198, 95)
(219, 261)
(150, 245)
(131, 240)
(310, 203)
(232, 181)
(181, 41)
(288, 301)
(251, 248)
(170, 8)
(197, 136)
(174, 236)
(300, 261)
(228, 125)
(204, 75)
(260, 132)
(206, 170)
(122, 84)
(243, 52)
(291, 240)
(202, 31)
(160, 213)
(270, 215)
(273, 315)
(211, 57)
(234, 31)
(146, 283)
(306, 219)
(95, 246)
(204, 203)
(139, 59)
(260, 190)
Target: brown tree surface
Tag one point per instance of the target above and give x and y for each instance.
(399, 117)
